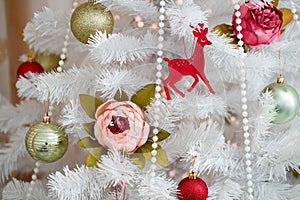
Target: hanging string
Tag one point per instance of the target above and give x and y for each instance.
(282, 70)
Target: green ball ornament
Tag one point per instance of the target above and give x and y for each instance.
(90, 17)
(286, 99)
(46, 141)
(48, 61)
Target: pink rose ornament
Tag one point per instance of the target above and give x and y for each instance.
(260, 25)
(121, 125)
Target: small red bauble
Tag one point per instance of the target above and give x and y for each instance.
(192, 189)
(29, 66)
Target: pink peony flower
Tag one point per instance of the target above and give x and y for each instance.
(121, 125)
(260, 25)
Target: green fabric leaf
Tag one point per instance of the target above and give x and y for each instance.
(287, 16)
(143, 97)
(89, 104)
(88, 142)
(138, 159)
(89, 128)
(146, 148)
(275, 2)
(121, 96)
(223, 29)
(226, 30)
(162, 135)
(94, 156)
(161, 157)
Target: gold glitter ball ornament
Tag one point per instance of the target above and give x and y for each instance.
(88, 18)
(46, 142)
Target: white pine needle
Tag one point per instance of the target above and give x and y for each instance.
(75, 81)
(182, 16)
(158, 187)
(45, 28)
(276, 191)
(261, 123)
(108, 82)
(72, 118)
(200, 106)
(187, 133)
(26, 112)
(62, 86)
(278, 156)
(170, 113)
(225, 189)
(107, 49)
(10, 152)
(291, 31)
(17, 190)
(132, 7)
(227, 57)
(262, 2)
(117, 169)
(82, 183)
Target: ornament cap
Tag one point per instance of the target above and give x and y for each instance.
(46, 119)
(280, 79)
(193, 175)
(30, 58)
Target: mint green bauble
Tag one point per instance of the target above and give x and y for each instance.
(287, 101)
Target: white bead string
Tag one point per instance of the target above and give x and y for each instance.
(64, 50)
(32, 182)
(244, 107)
(158, 81)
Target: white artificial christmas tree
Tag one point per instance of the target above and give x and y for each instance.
(228, 137)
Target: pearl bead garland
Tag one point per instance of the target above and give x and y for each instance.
(244, 108)
(158, 88)
(64, 50)
(32, 182)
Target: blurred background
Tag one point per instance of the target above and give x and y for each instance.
(13, 17)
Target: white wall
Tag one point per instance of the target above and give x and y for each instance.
(16, 13)
(4, 68)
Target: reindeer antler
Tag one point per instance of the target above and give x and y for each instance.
(200, 31)
(201, 25)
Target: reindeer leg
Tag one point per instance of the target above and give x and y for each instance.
(165, 82)
(173, 78)
(204, 79)
(172, 85)
(195, 82)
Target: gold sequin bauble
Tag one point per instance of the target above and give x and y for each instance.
(46, 142)
(88, 18)
(48, 61)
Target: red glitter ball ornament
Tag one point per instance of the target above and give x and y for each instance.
(192, 189)
(29, 66)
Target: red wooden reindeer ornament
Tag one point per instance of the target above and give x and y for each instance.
(193, 66)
